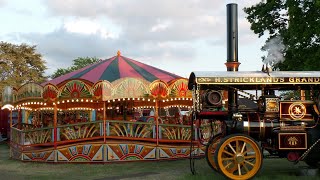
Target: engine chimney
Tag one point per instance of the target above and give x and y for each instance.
(232, 37)
(232, 53)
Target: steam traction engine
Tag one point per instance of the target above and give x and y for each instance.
(261, 120)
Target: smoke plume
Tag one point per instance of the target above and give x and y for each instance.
(274, 48)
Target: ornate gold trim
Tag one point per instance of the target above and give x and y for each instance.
(305, 137)
(297, 110)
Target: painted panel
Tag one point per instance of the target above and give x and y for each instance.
(130, 152)
(44, 156)
(75, 89)
(81, 153)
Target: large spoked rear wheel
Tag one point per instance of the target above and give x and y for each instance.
(238, 156)
(211, 149)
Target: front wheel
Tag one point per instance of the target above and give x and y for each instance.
(238, 156)
(211, 149)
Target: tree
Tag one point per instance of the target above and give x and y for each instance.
(20, 64)
(78, 63)
(297, 24)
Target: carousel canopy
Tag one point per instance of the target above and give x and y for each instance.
(116, 79)
(115, 68)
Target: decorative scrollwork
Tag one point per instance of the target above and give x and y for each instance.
(179, 88)
(132, 130)
(38, 137)
(129, 88)
(102, 90)
(76, 89)
(159, 88)
(203, 79)
(297, 110)
(79, 132)
(50, 92)
(177, 133)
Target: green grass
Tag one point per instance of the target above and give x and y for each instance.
(162, 170)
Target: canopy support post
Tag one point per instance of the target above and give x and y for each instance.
(104, 121)
(19, 120)
(156, 115)
(10, 132)
(10, 119)
(55, 119)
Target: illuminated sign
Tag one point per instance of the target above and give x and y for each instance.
(296, 110)
(259, 80)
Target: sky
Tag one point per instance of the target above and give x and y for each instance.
(179, 36)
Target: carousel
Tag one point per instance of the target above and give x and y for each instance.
(117, 109)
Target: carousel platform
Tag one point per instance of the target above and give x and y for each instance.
(98, 151)
(122, 141)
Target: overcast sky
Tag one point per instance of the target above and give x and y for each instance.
(179, 36)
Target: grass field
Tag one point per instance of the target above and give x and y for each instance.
(162, 170)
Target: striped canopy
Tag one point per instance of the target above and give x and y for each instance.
(115, 68)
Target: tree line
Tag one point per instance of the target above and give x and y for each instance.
(292, 29)
(21, 64)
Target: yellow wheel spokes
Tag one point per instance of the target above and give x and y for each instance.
(245, 167)
(226, 159)
(227, 166)
(249, 157)
(232, 148)
(226, 152)
(239, 157)
(239, 170)
(237, 147)
(246, 152)
(232, 168)
(244, 145)
(247, 162)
